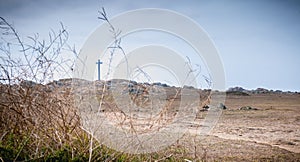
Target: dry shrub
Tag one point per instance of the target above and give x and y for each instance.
(36, 120)
(39, 121)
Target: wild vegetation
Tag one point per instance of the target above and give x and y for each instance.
(40, 122)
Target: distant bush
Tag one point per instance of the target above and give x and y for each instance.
(237, 93)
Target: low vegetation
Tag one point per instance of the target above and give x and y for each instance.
(40, 122)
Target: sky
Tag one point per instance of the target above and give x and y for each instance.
(258, 41)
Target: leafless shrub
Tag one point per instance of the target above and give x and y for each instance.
(137, 98)
(39, 119)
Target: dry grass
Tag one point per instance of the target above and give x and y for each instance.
(41, 123)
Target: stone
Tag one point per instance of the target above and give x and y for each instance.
(247, 108)
(222, 106)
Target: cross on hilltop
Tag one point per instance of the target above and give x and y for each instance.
(99, 63)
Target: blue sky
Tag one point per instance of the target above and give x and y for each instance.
(258, 41)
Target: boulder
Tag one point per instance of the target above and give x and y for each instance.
(247, 108)
(205, 108)
(28, 83)
(222, 106)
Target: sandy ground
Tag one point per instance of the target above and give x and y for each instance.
(276, 122)
(270, 133)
